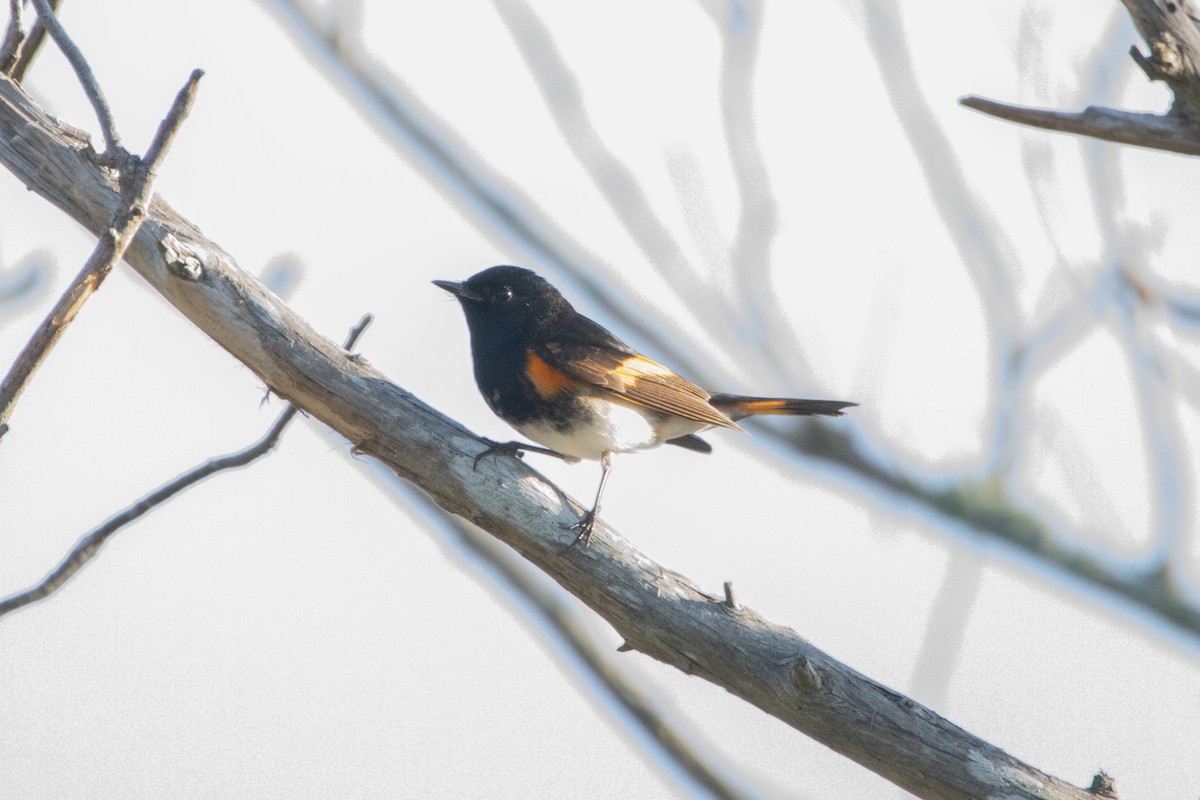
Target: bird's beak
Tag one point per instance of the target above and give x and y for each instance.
(456, 289)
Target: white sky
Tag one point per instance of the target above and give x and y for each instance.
(289, 631)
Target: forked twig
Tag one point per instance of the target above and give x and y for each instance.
(14, 38)
(90, 544)
(33, 43)
(138, 186)
(108, 127)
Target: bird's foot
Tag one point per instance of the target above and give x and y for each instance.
(516, 450)
(584, 526)
(499, 449)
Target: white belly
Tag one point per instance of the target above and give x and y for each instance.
(614, 428)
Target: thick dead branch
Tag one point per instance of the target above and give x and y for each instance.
(657, 611)
(137, 188)
(1172, 30)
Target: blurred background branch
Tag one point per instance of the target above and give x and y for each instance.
(1022, 348)
(1035, 251)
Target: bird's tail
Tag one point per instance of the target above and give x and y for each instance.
(736, 407)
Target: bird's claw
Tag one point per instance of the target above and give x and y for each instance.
(499, 449)
(584, 526)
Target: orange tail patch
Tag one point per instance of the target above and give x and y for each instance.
(738, 407)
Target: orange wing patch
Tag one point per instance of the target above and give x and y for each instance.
(546, 380)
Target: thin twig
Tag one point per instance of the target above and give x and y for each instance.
(90, 544)
(14, 38)
(1156, 131)
(169, 127)
(108, 127)
(33, 43)
(136, 192)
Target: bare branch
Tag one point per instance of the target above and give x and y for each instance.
(1158, 131)
(14, 38)
(87, 547)
(33, 43)
(1171, 28)
(168, 129)
(108, 127)
(657, 611)
(138, 186)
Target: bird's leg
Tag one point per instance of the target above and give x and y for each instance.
(585, 525)
(516, 449)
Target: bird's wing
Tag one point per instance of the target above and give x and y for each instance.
(592, 355)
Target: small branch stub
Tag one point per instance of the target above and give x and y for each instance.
(180, 260)
(806, 675)
(1103, 786)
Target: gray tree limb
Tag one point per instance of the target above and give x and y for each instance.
(659, 612)
(1171, 28)
(1168, 132)
(137, 189)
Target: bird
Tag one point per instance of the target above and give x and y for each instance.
(577, 390)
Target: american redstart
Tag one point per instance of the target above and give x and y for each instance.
(568, 384)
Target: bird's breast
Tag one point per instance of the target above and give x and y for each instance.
(596, 426)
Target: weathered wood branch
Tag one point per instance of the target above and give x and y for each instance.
(1171, 28)
(137, 188)
(658, 612)
(1157, 131)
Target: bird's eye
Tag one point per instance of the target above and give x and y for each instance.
(504, 294)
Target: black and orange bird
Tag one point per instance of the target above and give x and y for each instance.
(568, 384)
